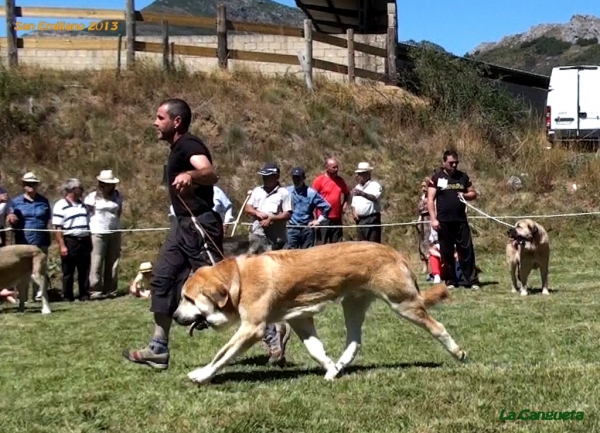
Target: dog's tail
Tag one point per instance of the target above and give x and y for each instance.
(435, 294)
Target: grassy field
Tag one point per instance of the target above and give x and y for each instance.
(64, 373)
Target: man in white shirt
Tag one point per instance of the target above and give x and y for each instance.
(366, 205)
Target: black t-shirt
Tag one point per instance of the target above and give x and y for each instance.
(448, 205)
(199, 198)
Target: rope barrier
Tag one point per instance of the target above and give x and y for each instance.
(397, 224)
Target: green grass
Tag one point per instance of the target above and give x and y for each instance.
(64, 373)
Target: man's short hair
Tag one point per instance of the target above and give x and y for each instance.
(178, 107)
(450, 152)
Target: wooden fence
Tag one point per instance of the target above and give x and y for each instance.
(222, 52)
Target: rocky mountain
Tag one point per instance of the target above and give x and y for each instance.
(545, 46)
(258, 11)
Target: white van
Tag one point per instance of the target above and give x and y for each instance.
(573, 103)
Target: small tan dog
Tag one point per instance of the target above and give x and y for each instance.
(527, 249)
(19, 264)
(294, 286)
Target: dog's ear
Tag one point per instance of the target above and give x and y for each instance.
(220, 295)
(534, 230)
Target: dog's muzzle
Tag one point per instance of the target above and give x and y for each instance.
(200, 324)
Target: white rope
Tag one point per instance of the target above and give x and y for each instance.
(483, 213)
(398, 224)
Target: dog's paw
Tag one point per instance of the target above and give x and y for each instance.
(523, 292)
(461, 355)
(545, 292)
(514, 290)
(200, 375)
(331, 374)
(46, 311)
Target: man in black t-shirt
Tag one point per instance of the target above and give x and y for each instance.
(190, 177)
(448, 217)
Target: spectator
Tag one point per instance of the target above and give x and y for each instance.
(70, 217)
(270, 205)
(449, 218)
(31, 210)
(4, 203)
(305, 200)
(105, 206)
(335, 191)
(423, 227)
(366, 206)
(140, 286)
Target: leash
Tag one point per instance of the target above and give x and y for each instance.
(202, 233)
(461, 198)
(240, 213)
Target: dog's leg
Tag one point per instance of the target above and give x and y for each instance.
(23, 289)
(42, 281)
(355, 309)
(416, 313)
(544, 274)
(305, 329)
(525, 270)
(242, 340)
(513, 268)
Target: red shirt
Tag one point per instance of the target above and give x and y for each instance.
(331, 190)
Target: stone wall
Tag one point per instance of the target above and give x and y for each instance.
(79, 59)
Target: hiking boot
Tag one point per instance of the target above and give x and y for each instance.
(277, 351)
(159, 361)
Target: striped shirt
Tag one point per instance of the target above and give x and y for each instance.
(72, 217)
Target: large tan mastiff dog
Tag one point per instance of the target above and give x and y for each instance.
(19, 264)
(527, 249)
(294, 286)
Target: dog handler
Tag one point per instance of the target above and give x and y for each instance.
(191, 176)
(449, 218)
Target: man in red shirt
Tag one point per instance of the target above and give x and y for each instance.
(335, 191)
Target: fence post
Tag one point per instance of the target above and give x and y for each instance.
(11, 34)
(308, 56)
(350, 38)
(172, 54)
(392, 43)
(119, 51)
(130, 31)
(222, 51)
(165, 44)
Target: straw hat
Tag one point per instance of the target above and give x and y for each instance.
(107, 176)
(145, 267)
(363, 167)
(30, 178)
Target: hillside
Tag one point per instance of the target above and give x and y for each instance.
(62, 125)
(545, 46)
(263, 11)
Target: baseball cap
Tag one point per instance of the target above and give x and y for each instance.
(269, 169)
(298, 171)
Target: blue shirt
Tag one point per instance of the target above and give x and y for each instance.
(32, 214)
(304, 202)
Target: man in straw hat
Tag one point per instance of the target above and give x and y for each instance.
(31, 210)
(191, 177)
(366, 206)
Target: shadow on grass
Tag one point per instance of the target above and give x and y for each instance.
(291, 371)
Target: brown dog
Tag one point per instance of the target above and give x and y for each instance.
(527, 249)
(294, 286)
(19, 264)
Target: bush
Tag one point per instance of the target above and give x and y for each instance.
(545, 45)
(458, 92)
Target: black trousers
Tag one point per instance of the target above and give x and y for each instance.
(372, 234)
(78, 258)
(457, 234)
(330, 235)
(183, 252)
